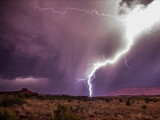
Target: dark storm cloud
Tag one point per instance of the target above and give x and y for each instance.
(34, 43)
(132, 3)
(124, 5)
(51, 53)
(26, 49)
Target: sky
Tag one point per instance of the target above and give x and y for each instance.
(46, 52)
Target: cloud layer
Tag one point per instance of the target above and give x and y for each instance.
(34, 44)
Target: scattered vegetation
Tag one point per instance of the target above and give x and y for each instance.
(128, 102)
(9, 101)
(120, 100)
(108, 100)
(33, 116)
(144, 107)
(6, 114)
(64, 113)
(63, 107)
(147, 100)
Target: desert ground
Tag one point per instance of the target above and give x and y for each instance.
(25, 105)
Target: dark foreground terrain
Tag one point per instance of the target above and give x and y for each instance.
(26, 105)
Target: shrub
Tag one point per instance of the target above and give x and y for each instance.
(33, 116)
(77, 109)
(128, 102)
(41, 97)
(107, 99)
(129, 98)
(17, 112)
(155, 100)
(6, 114)
(19, 101)
(144, 107)
(133, 101)
(10, 101)
(7, 102)
(64, 113)
(116, 114)
(147, 100)
(69, 100)
(48, 114)
(120, 100)
(92, 116)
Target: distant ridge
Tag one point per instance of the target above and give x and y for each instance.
(24, 91)
(29, 93)
(137, 91)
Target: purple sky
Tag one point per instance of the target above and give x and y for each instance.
(46, 53)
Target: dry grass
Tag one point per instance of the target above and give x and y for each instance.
(93, 109)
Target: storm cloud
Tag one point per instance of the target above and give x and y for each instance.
(130, 3)
(127, 5)
(38, 44)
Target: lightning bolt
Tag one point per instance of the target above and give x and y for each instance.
(84, 12)
(125, 61)
(138, 20)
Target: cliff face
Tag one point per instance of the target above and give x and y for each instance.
(137, 91)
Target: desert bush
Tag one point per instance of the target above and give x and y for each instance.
(17, 112)
(128, 102)
(133, 101)
(19, 101)
(69, 100)
(91, 116)
(33, 116)
(6, 114)
(6, 102)
(82, 110)
(48, 114)
(129, 98)
(41, 97)
(64, 113)
(155, 100)
(144, 106)
(108, 99)
(147, 100)
(116, 114)
(77, 109)
(120, 100)
(10, 101)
